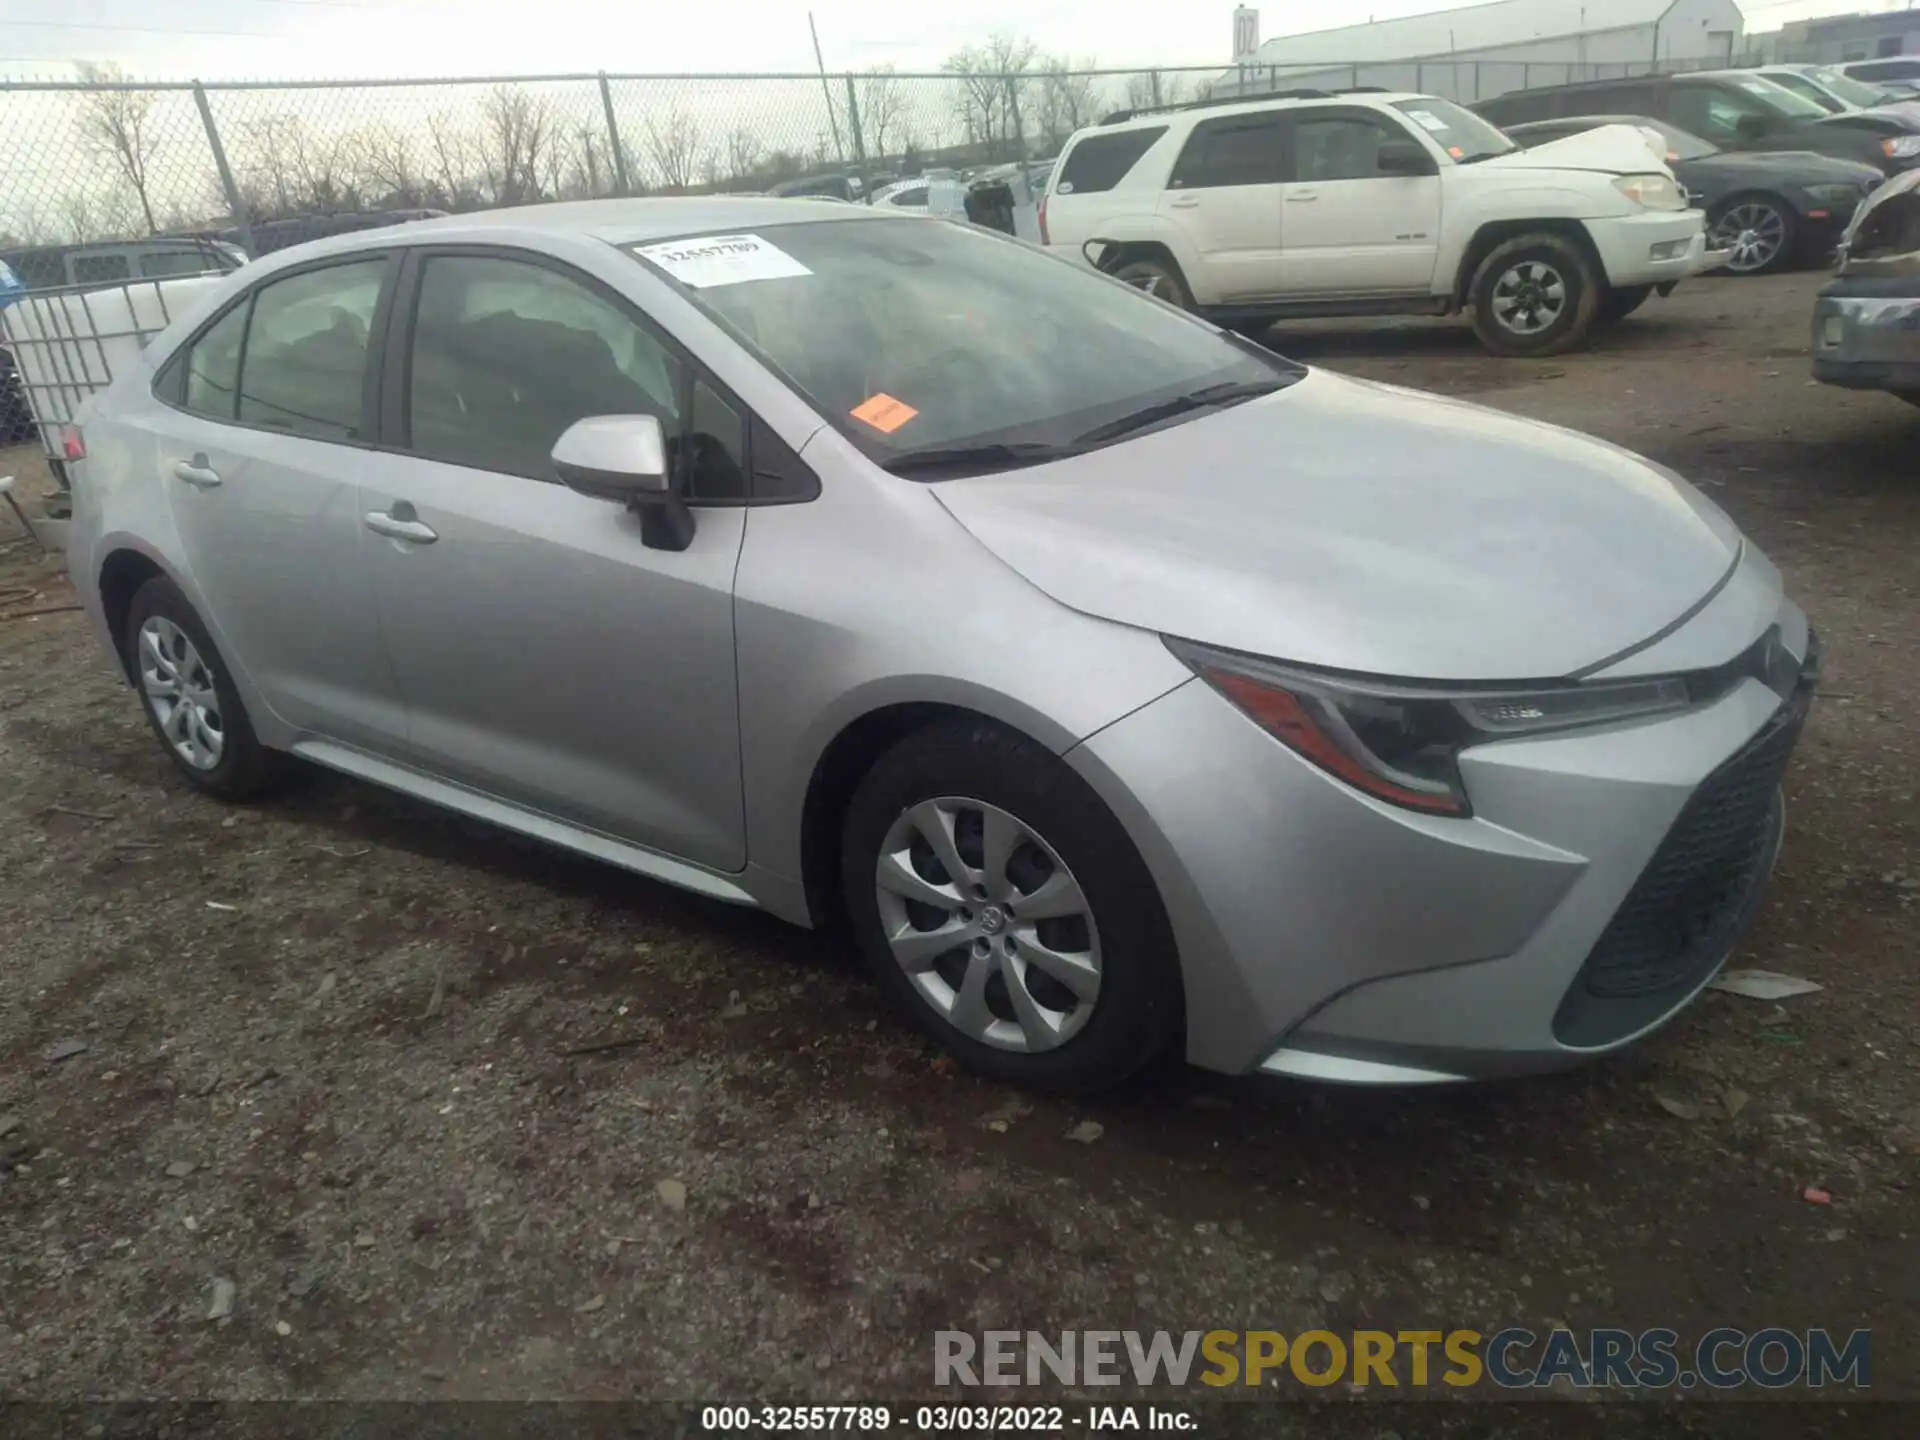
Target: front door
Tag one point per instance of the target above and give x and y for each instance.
(547, 656)
(259, 443)
(1347, 228)
(1223, 196)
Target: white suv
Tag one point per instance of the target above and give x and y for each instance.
(1369, 203)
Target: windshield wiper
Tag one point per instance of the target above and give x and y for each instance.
(976, 459)
(1207, 398)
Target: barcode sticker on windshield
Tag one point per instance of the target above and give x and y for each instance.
(883, 412)
(721, 260)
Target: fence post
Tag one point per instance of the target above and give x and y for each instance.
(1153, 83)
(1420, 76)
(235, 205)
(613, 138)
(859, 140)
(1019, 133)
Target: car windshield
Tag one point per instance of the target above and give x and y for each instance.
(1781, 100)
(1854, 92)
(939, 349)
(1461, 133)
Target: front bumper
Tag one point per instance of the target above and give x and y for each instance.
(1868, 341)
(1326, 935)
(1653, 247)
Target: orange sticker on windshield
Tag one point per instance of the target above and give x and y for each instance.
(883, 412)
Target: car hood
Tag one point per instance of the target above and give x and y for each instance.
(1799, 167)
(1358, 526)
(1610, 149)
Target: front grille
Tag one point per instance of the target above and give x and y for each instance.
(1696, 894)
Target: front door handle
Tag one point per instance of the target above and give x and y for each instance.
(1303, 197)
(1184, 202)
(196, 472)
(401, 523)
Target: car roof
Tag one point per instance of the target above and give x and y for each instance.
(1592, 122)
(1253, 105)
(618, 222)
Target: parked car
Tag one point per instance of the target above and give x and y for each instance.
(271, 235)
(107, 262)
(862, 593)
(1767, 209)
(1866, 323)
(1832, 90)
(1374, 204)
(831, 187)
(1735, 109)
(1901, 71)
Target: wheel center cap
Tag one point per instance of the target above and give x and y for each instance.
(993, 920)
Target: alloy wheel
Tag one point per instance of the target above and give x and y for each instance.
(1529, 298)
(989, 924)
(180, 690)
(1754, 232)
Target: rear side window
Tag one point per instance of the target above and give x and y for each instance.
(305, 362)
(100, 269)
(158, 264)
(1101, 162)
(213, 367)
(1234, 150)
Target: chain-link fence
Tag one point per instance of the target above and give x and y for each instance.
(260, 166)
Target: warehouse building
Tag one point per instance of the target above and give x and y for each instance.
(1840, 38)
(1483, 50)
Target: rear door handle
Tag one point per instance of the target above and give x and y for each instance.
(1184, 202)
(196, 472)
(401, 523)
(1303, 197)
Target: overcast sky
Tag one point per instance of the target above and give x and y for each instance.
(232, 39)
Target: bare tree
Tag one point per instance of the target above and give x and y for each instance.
(453, 162)
(880, 99)
(744, 153)
(675, 147)
(989, 76)
(76, 209)
(114, 126)
(519, 131)
(389, 165)
(1067, 100)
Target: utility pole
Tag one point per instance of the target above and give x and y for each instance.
(826, 90)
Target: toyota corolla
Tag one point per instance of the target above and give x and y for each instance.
(1126, 689)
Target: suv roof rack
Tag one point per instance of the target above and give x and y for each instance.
(1121, 116)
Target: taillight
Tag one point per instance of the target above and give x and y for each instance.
(1043, 221)
(72, 446)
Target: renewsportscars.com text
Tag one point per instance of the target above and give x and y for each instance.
(1512, 1359)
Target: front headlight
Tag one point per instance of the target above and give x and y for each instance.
(1402, 743)
(1839, 197)
(1652, 192)
(1901, 147)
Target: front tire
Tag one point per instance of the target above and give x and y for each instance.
(1761, 231)
(189, 697)
(1534, 295)
(1004, 910)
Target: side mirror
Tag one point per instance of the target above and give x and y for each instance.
(1752, 127)
(623, 458)
(1403, 157)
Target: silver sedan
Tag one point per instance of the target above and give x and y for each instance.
(1128, 690)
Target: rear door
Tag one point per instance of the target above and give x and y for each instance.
(1224, 195)
(262, 425)
(1347, 228)
(548, 657)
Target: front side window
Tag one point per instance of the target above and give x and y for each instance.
(507, 354)
(914, 199)
(1339, 147)
(913, 339)
(1713, 113)
(304, 369)
(158, 264)
(101, 269)
(1238, 150)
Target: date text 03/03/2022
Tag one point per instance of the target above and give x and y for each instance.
(942, 1419)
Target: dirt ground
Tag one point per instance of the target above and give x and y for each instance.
(333, 1050)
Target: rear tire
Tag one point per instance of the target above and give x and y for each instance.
(1534, 295)
(190, 699)
(1619, 304)
(1103, 1005)
(1158, 277)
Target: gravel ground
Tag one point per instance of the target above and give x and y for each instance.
(339, 1051)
